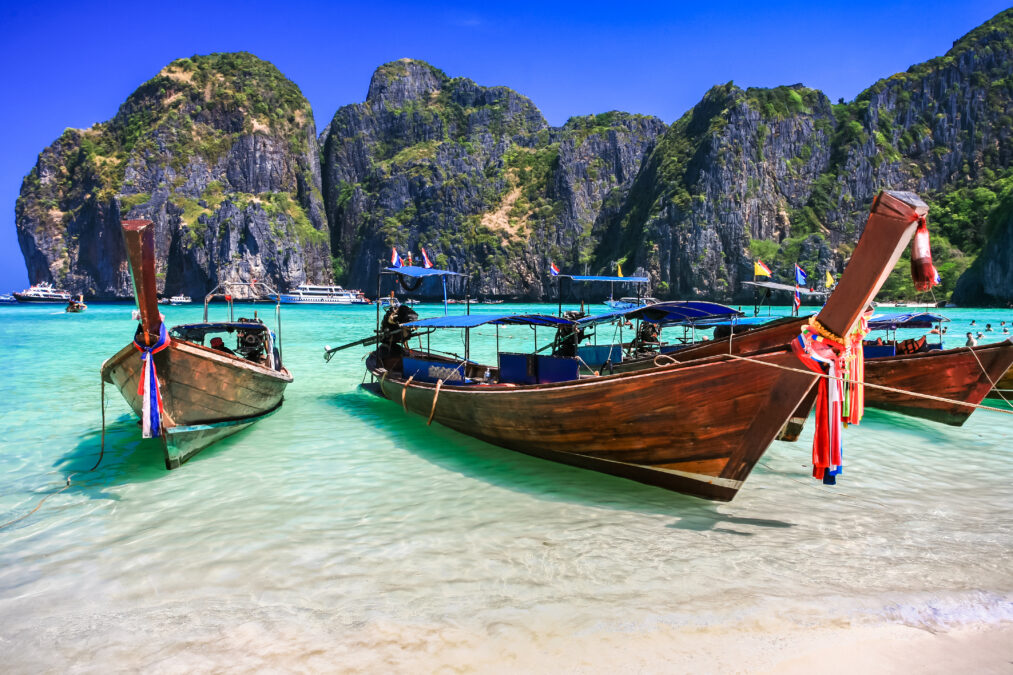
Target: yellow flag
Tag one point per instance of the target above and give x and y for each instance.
(760, 270)
(830, 279)
(620, 269)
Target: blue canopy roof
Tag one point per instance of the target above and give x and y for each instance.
(628, 280)
(893, 321)
(473, 320)
(737, 321)
(415, 271)
(673, 312)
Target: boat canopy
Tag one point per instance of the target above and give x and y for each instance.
(735, 321)
(668, 313)
(197, 331)
(773, 285)
(420, 272)
(617, 280)
(911, 320)
(473, 320)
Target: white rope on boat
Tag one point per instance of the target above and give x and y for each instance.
(994, 383)
(439, 383)
(404, 392)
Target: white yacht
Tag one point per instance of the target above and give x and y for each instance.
(312, 294)
(630, 302)
(180, 299)
(43, 292)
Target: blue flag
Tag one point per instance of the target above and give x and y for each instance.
(800, 276)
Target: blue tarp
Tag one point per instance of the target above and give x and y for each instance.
(415, 271)
(910, 320)
(619, 280)
(473, 320)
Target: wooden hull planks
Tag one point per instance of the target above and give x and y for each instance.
(207, 395)
(691, 428)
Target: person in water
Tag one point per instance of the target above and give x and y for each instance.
(970, 341)
(972, 322)
(988, 328)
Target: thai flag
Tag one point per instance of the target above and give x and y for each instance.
(800, 276)
(796, 301)
(425, 259)
(553, 270)
(395, 259)
(938, 279)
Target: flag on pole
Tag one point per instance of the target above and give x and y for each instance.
(553, 270)
(796, 301)
(800, 276)
(760, 270)
(938, 278)
(830, 279)
(395, 259)
(425, 259)
(408, 259)
(619, 270)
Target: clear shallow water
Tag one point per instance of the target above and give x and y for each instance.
(341, 533)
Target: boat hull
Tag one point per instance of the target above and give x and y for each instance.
(950, 373)
(690, 428)
(207, 395)
(33, 299)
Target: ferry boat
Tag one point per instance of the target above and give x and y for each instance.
(7, 299)
(43, 292)
(323, 295)
(180, 299)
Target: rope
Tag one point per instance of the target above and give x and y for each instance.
(994, 383)
(439, 383)
(664, 356)
(102, 452)
(404, 392)
(875, 386)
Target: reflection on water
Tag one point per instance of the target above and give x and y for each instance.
(343, 533)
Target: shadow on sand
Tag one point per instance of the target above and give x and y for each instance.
(540, 478)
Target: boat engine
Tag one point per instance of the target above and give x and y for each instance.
(250, 343)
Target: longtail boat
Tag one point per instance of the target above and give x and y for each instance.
(906, 367)
(697, 427)
(1004, 387)
(186, 393)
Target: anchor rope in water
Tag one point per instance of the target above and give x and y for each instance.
(101, 454)
(881, 387)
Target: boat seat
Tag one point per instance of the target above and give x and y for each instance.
(536, 369)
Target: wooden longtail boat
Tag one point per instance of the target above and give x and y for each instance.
(207, 393)
(697, 427)
(1004, 387)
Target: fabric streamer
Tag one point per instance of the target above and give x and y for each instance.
(923, 272)
(837, 402)
(148, 387)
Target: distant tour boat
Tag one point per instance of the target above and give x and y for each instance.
(180, 299)
(323, 295)
(43, 292)
(7, 299)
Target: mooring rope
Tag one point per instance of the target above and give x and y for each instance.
(404, 392)
(881, 387)
(101, 454)
(439, 383)
(994, 383)
(664, 356)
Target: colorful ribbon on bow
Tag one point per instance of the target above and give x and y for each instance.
(837, 402)
(147, 386)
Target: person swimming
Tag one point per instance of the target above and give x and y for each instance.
(988, 328)
(970, 341)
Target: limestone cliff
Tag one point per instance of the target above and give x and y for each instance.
(219, 151)
(475, 175)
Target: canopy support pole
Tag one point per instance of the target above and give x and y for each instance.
(444, 279)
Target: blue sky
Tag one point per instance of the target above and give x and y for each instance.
(71, 64)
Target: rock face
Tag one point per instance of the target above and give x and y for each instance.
(473, 174)
(219, 151)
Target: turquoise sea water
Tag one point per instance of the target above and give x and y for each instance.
(342, 533)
